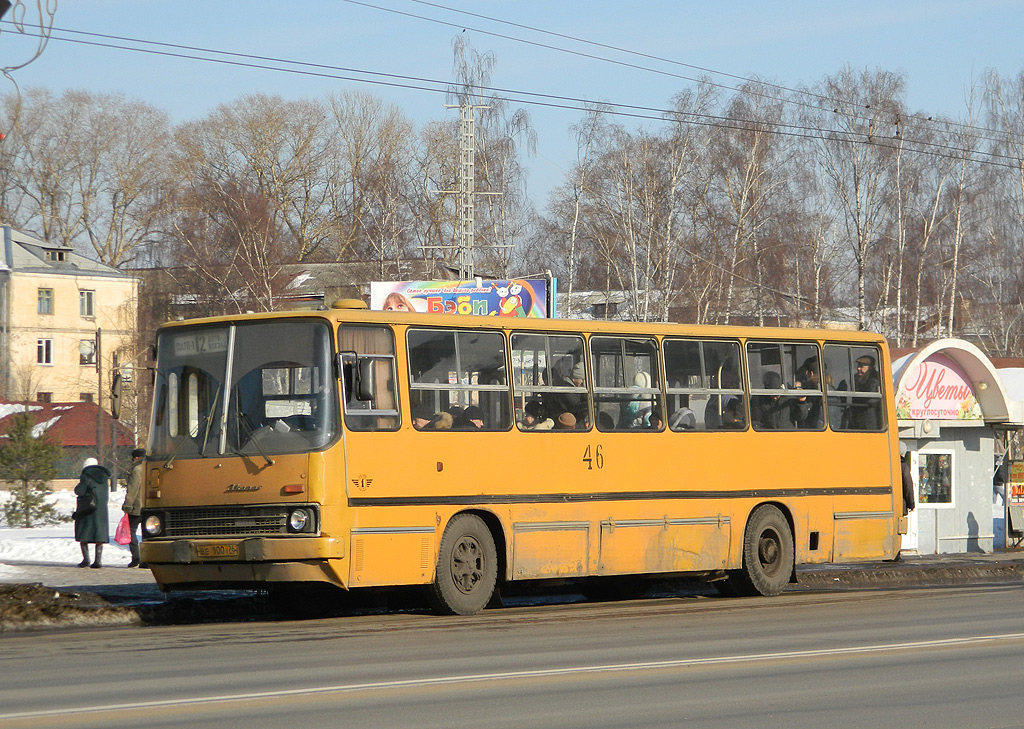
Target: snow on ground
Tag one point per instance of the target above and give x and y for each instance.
(56, 545)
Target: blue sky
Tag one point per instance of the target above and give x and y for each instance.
(942, 46)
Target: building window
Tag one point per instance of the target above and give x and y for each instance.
(85, 303)
(87, 352)
(45, 301)
(85, 396)
(56, 256)
(44, 351)
(605, 310)
(44, 397)
(935, 478)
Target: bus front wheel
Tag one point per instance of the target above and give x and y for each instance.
(467, 567)
(767, 554)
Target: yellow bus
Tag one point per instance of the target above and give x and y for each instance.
(364, 449)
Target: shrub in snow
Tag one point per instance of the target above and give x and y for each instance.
(28, 463)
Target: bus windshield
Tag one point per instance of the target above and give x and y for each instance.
(247, 389)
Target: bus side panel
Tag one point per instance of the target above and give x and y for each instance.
(546, 549)
(392, 557)
(863, 533)
(859, 538)
(668, 545)
(813, 526)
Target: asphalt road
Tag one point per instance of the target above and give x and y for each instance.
(920, 657)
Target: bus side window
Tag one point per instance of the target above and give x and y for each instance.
(549, 379)
(627, 383)
(460, 377)
(785, 386)
(703, 385)
(854, 387)
(368, 373)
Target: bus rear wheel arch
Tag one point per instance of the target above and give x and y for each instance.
(768, 555)
(466, 572)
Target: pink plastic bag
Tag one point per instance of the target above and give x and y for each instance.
(123, 535)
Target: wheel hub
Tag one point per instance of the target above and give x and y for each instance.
(768, 550)
(467, 564)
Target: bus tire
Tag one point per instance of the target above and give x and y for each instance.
(467, 568)
(768, 554)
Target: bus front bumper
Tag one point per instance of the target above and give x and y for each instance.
(253, 560)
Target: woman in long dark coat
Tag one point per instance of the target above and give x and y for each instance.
(93, 528)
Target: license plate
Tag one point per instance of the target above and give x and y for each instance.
(217, 550)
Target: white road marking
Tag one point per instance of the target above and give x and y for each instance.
(517, 675)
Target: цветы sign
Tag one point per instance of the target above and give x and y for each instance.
(937, 389)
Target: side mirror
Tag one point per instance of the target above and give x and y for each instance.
(365, 379)
(115, 396)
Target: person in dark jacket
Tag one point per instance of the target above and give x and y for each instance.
(771, 412)
(92, 528)
(866, 414)
(132, 505)
(908, 480)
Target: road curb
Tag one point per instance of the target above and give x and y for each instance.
(901, 575)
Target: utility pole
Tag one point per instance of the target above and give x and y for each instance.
(466, 234)
(467, 187)
(99, 396)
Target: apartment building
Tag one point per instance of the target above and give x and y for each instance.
(66, 322)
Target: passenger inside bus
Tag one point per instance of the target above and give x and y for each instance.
(732, 416)
(421, 416)
(566, 421)
(535, 418)
(472, 418)
(683, 419)
(865, 414)
(635, 411)
(575, 403)
(808, 414)
(771, 412)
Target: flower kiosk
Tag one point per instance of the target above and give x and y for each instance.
(952, 411)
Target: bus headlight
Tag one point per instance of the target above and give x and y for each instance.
(300, 520)
(153, 525)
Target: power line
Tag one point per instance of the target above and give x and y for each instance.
(522, 97)
(831, 101)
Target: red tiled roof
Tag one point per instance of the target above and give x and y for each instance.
(73, 422)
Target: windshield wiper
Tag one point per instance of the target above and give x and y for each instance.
(209, 420)
(243, 419)
(181, 441)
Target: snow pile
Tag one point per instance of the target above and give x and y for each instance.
(56, 545)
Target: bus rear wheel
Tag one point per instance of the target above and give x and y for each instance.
(467, 567)
(767, 555)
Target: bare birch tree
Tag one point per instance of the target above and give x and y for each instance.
(857, 154)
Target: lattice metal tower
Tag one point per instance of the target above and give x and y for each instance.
(467, 171)
(466, 235)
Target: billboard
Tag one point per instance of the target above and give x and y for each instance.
(514, 297)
